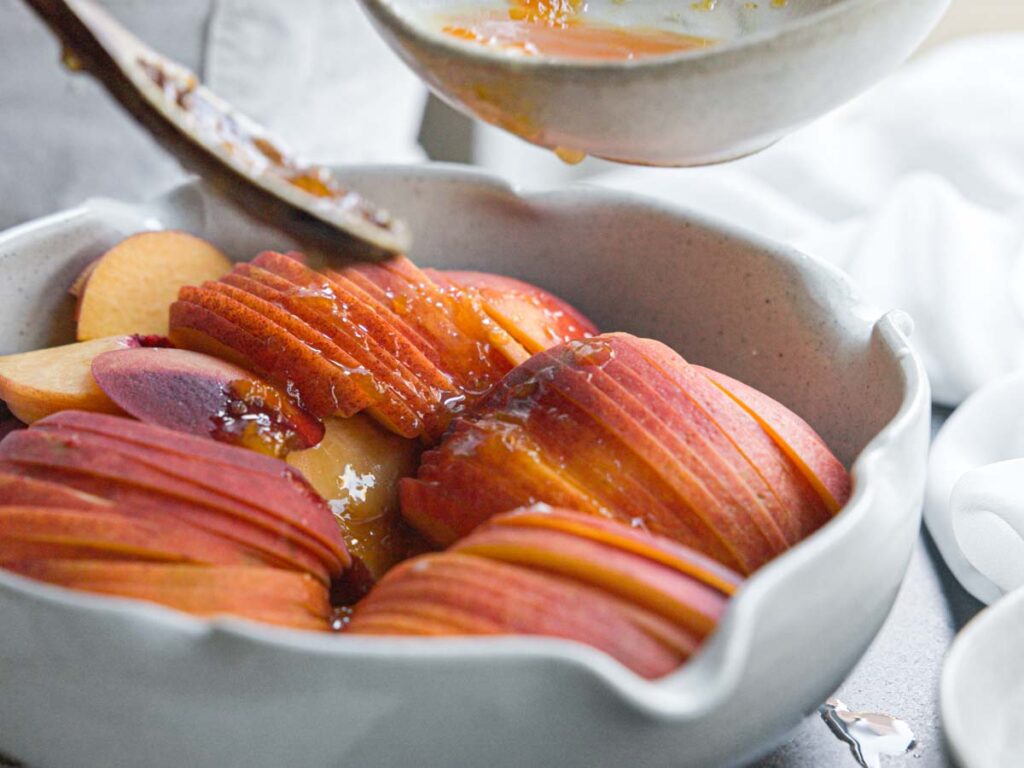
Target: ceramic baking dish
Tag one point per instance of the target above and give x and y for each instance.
(92, 681)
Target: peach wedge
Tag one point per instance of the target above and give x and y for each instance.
(195, 393)
(105, 504)
(642, 599)
(625, 428)
(36, 384)
(129, 288)
(388, 339)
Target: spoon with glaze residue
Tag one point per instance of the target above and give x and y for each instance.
(211, 138)
(652, 82)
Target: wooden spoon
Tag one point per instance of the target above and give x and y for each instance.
(211, 138)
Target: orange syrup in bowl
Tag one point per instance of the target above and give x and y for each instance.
(562, 29)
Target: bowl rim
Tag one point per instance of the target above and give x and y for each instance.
(803, 26)
(688, 693)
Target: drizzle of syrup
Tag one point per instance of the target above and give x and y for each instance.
(570, 156)
(259, 417)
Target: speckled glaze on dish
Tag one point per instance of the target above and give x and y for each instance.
(788, 66)
(91, 681)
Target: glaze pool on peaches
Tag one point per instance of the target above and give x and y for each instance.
(555, 414)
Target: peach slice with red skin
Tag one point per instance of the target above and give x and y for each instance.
(255, 502)
(351, 328)
(534, 317)
(794, 436)
(195, 393)
(18, 490)
(283, 498)
(276, 517)
(34, 533)
(254, 544)
(129, 288)
(693, 412)
(36, 384)
(118, 507)
(207, 321)
(642, 599)
(454, 594)
(266, 595)
(415, 351)
(622, 427)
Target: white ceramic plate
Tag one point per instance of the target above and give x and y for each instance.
(93, 681)
(982, 696)
(777, 67)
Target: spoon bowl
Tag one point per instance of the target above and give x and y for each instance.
(768, 67)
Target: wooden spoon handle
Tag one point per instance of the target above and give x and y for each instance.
(209, 137)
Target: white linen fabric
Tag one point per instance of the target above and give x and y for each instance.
(313, 71)
(916, 189)
(974, 502)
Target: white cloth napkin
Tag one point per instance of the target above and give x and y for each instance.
(917, 190)
(974, 502)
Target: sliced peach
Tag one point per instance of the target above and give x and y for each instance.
(298, 308)
(258, 501)
(33, 533)
(274, 512)
(684, 600)
(262, 594)
(163, 440)
(324, 386)
(636, 541)
(625, 428)
(719, 436)
(129, 288)
(535, 318)
(255, 544)
(457, 594)
(641, 598)
(16, 490)
(793, 435)
(192, 392)
(36, 384)
(356, 468)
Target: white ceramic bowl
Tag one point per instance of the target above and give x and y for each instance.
(93, 681)
(778, 67)
(982, 694)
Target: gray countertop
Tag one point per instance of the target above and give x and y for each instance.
(899, 675)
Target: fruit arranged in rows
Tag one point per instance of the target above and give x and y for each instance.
(106, 504)
(388, 339)
(291, 440)
(626, 428)
(641, 598)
